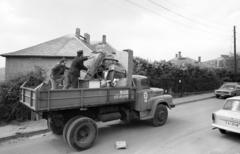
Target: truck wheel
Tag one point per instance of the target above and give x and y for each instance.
(222, 131)
(160, 115)
(56, 124)
(65, 129)
(81, 133)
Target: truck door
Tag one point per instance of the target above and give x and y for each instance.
(143, 94)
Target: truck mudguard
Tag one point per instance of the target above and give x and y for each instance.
(163, 99)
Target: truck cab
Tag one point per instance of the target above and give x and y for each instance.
(149, 98)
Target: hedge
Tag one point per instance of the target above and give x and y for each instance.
(190, 78)
(10, 107)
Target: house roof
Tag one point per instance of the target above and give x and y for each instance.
(64, 46)
(182, 61)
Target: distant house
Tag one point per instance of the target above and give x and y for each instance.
(179, 60)
(48, 54)
(218, 62)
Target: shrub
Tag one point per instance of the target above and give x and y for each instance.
(191, 78)
(10, 92)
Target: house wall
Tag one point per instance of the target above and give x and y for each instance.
(217, 63)
(16, 66)
(21, 65)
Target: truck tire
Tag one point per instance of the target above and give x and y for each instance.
(65, 129)
(56, 124)
(81, 133)
(160, 115)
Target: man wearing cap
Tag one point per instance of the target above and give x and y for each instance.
(74, 72)
(57, 73)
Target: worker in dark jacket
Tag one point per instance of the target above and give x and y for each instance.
(74, 72)
(57, 74)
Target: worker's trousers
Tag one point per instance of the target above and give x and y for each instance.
(72, 81)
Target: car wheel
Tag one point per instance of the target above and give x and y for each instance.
(81, 133)
(160, 115)
(222, 131)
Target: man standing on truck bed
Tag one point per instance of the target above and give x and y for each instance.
(74, 72)
(57, 74)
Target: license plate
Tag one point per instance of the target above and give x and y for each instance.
(232, 123)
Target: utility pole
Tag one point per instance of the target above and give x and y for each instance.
(235, 53)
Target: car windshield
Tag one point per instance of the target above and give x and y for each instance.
(228, 86)
(232, 105)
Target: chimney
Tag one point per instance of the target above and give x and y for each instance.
(77, 33)
(199, 59)
(87, 38)
(104, 39)
(176, 55)
(179, 54)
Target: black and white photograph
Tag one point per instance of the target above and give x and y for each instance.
(119, 76)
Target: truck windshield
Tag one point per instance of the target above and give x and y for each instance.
(232, 105)
(145, 83)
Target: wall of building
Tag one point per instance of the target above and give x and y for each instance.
(16, 66)
(216, 63)
(21, 65)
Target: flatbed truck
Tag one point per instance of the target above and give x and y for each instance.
(73, 113)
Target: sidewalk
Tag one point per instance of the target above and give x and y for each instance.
(30, 128)
(24, 129)
(192, 98)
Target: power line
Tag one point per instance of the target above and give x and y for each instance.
(158, 14)
(161, 15)
(180, 15)
(207, 22)
(150, 10)
(173, 12)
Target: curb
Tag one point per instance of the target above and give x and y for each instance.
(195, 100)
(25, 134)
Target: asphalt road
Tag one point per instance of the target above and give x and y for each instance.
(188, 131)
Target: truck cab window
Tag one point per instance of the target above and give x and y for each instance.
(145, 83)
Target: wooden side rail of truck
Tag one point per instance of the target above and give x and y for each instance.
(49, 100)
(74, 112)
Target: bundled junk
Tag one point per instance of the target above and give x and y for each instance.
(104, 70)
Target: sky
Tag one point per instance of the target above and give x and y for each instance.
(153, 29)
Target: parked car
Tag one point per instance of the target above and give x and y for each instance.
(228, 118)
(228, 90)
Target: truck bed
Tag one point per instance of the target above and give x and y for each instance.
(39, 99)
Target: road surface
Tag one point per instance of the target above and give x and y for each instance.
(188, 131)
